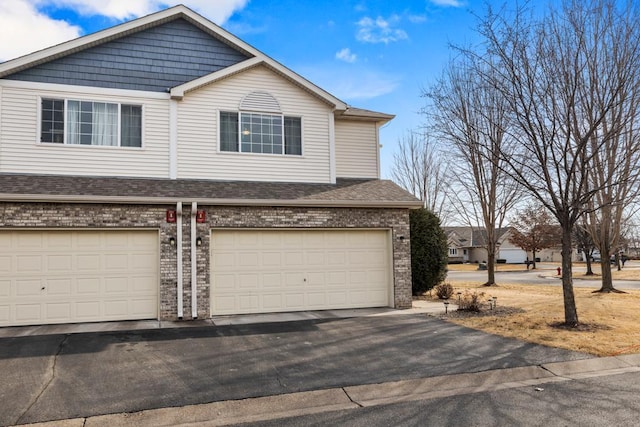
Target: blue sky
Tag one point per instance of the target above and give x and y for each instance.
(372, 54)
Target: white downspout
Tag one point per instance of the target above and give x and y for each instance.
(194, 269)
(179, 253)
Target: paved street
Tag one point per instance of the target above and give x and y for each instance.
(49, 377)
(534, 277)
(597, 401)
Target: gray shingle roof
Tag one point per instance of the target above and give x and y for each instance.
(346, 192)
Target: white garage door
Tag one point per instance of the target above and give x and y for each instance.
(292, 270)
(513, 255)
(77, 276)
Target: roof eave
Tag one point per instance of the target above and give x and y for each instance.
(39, 198)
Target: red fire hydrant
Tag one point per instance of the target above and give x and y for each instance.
(559, 271)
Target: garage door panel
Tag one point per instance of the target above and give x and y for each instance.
(29, 263)
(299, 270)
(5, 313)
(88, 309)
(29, 288)
(61, 287)
(293, 259)
(225, 281)
(86, 275)
(5, 264)
(59, 263)
(248, 302)
(116, 285)
(59, 241)
(28, 312)
(272, 259)
(272, 301)
(29, 241)
(5, 288)
(58, 311)
(88, 285)
(271, 280)
(337, 299)
(294, 302)
(88, 263)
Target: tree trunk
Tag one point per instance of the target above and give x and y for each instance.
(570, 311)
(491, 268)
(607, 280)
(587, 256)
(605, 266)
(533, 252)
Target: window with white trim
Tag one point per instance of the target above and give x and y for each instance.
(68, 121)
(246, 132)
(453, 251)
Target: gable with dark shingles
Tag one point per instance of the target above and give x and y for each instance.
(153, 59)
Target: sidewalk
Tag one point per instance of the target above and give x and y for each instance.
(354, 397)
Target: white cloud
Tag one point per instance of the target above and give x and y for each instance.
(218, 11)
(380, 30)
(451, 3)
(346, 55)
(351, 83)
(23, 29)
(417, 19)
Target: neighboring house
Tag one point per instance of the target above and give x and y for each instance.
(165, 169)
(468, 244)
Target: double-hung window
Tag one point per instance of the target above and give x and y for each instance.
(246, 132)
(67, 121)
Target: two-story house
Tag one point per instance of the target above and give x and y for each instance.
(165, 169)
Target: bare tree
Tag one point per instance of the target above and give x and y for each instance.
(615, 174)
(533, 230)
(418, 168)
(471, 117)
(562, 75)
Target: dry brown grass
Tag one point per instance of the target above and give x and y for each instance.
(610, 323)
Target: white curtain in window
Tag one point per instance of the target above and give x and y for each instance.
(73, 122)
(105, 124)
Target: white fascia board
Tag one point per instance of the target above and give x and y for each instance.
(88, 90)
(46, 198)
(178, 92)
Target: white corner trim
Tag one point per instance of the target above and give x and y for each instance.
(194, 258)
(332, 148)
(173, 139)
(179, 258)
(378, 148)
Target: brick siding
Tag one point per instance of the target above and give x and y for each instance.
(105, 216)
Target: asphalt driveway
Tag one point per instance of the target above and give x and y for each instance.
(51, 377)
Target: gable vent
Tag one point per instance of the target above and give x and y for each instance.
(260, 101)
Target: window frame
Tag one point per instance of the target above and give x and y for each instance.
(453, 251)
(239, 133)
(65, 140)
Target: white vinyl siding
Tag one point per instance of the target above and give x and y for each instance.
(21, 151)
(198, 138)
(356, 149)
